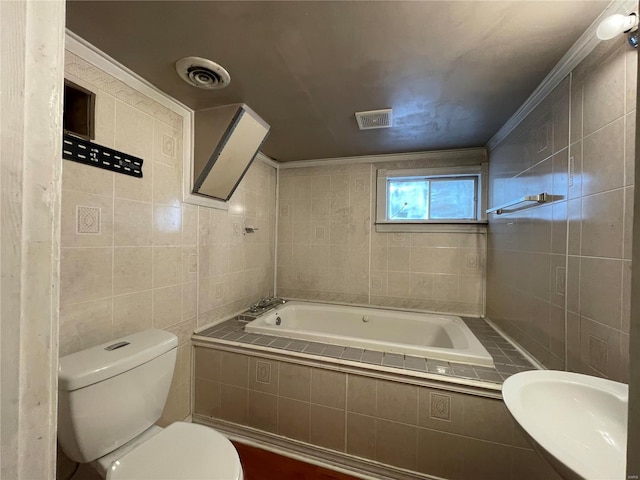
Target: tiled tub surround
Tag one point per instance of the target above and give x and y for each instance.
(507, 359)
(441, 337)
(328, 249)
(558, 275)
(391, 425)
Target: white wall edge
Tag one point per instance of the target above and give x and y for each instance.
(394, 157)
(578, 52)
(268, 160)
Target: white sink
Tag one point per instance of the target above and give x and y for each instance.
(578, 422)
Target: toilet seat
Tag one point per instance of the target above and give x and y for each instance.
(182, 451)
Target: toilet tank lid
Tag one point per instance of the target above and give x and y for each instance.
(102, 362)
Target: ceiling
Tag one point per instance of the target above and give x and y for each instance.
(453, 71)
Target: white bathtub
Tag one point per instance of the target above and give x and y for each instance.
(439, 337)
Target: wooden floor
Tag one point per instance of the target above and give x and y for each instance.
(262, 465)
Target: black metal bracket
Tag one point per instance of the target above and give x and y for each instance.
(89, 153)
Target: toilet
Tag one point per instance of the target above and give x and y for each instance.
(109, 398)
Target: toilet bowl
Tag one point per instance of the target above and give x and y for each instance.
(110, 397)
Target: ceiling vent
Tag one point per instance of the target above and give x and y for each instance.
(375, 119)
(202, 73)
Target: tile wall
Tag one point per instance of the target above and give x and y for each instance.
(558, 275)
(328, 248)
(134, 256)
(427, 430)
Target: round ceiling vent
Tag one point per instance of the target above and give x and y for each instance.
(202, 73)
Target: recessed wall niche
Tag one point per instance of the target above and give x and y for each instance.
(79, 111)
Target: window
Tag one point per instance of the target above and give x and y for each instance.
(410, 198)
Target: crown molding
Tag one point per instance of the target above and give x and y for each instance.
(578, 52)
(394, 157)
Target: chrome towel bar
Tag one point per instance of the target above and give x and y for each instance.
(540, 198)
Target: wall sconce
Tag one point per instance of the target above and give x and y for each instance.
(617, 24)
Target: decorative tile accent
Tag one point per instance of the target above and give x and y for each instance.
(376, 283)
(168, 146)
(560, 280)
(284, 210)
(398, 237)
(361, 184)
(219, 291)
(263, 372)
(440, 406)
(193, 263)
(319, 233)
(472, 260)
(87, 220)
(597, 354)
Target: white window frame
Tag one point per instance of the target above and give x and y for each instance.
(473, 226)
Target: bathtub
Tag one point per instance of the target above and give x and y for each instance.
(434, 336)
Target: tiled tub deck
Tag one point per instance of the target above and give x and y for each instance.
(381, 415)
(507, 359)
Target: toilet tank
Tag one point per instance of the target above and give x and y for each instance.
(109, 394)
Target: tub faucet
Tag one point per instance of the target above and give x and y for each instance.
(266, 303)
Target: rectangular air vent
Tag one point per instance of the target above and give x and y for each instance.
(375, 119)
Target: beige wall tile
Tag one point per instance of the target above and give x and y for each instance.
(167, 306)
(295, 381)
(132, 267)
(85, 178)
(167, 266)
(207, 400)
(132, 223)
(604, 94)
(234, 404)
(439, 454)
(487, 419)
(293, 419)
(167, 185)
(602, 224)
(601, 290)
(263, 411)
(397, 401)
(328, 388)
(327, 427)
(133, 131)
(603, 159)
(207, 363)
(361, 435)
(85, 274)
(396, 444)
(167, 225)
(235, 369)
(361, 395)
(484, 460)
(84, 325)
(134, 188)
(132, 313)
(529, 465)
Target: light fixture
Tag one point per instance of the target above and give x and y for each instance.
(617, 24)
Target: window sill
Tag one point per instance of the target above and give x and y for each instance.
(433, 227)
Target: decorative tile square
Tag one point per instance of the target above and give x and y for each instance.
(168, 146)
(560, 280)
(398, 237)
(598, 354)
(440, 406)
(87, 220)
(263, 372)
(472, 261)
(361, 184)
(284, 210)
(219, 291)
(319, 234)
(193, 263)
(376, 283)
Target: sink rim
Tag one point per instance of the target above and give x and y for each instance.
(533, 426)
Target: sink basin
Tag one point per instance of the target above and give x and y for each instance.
(577, 422)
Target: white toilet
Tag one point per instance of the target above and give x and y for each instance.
(111, 395)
